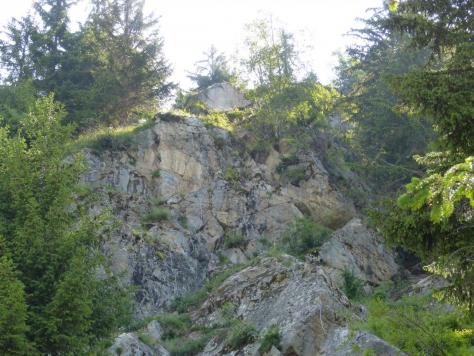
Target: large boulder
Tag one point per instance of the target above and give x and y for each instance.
(223, 97)
(361, 251)
(298, 297)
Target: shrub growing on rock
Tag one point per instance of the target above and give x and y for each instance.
(305, 236)
(157, 214)
(234, 240)
(352, 286)
(174, 325)
(241, 334)
(271, 338)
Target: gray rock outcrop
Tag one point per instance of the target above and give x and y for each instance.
(222, 97)
(361, 251)
(344, 342)
(205, 184)
(180, 187)
(301, 299)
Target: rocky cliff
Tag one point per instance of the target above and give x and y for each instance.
(180, 187)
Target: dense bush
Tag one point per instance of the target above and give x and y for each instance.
(241, 334)
(304, 236)
(174, 325)
(104, 73)
(420, 326)
(156, 214)
(271, 338)
(176, 329)
(234, 240)
(352, 286)
(184, 346)
(232, 175)
(49, 254)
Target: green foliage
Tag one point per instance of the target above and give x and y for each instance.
(434, 216)
(283, 105)
(156, 214)
(286, 110)
(156, 173)
(108, 139)
(287, 161)
(189, 103)
(441, 192)
(218, 119)
(174, 325)
(183, 221)
(352, 286)
(442, 90)
(272, 55)
(185, 346)
(227, 312)
(234, 240)
(444, 246)
(232, 175)
(16, 101)
(13, 309)
(381, 137)
(176, 329)
(418, 326)
(259, 149)
(304, 236)
(146, 339)
(241, 334)
(294, 174)
(271, 338)
(157, 201)
(211, 70)
(53, 241)
(111, 70)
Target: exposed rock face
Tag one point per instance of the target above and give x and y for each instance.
(361, 251)
(208, 184)
(298, 297)
(201, 183)
(343, 342)
(128, 344)
(223, 97)
(301, 299)
(426, 284)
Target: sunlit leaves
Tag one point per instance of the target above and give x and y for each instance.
(441, 192)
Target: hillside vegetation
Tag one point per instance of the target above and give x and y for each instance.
(395, 132)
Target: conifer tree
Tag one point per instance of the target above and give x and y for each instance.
(434, 217)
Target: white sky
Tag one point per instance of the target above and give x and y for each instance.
(190, 27)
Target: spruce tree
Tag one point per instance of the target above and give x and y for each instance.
(434, 217)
